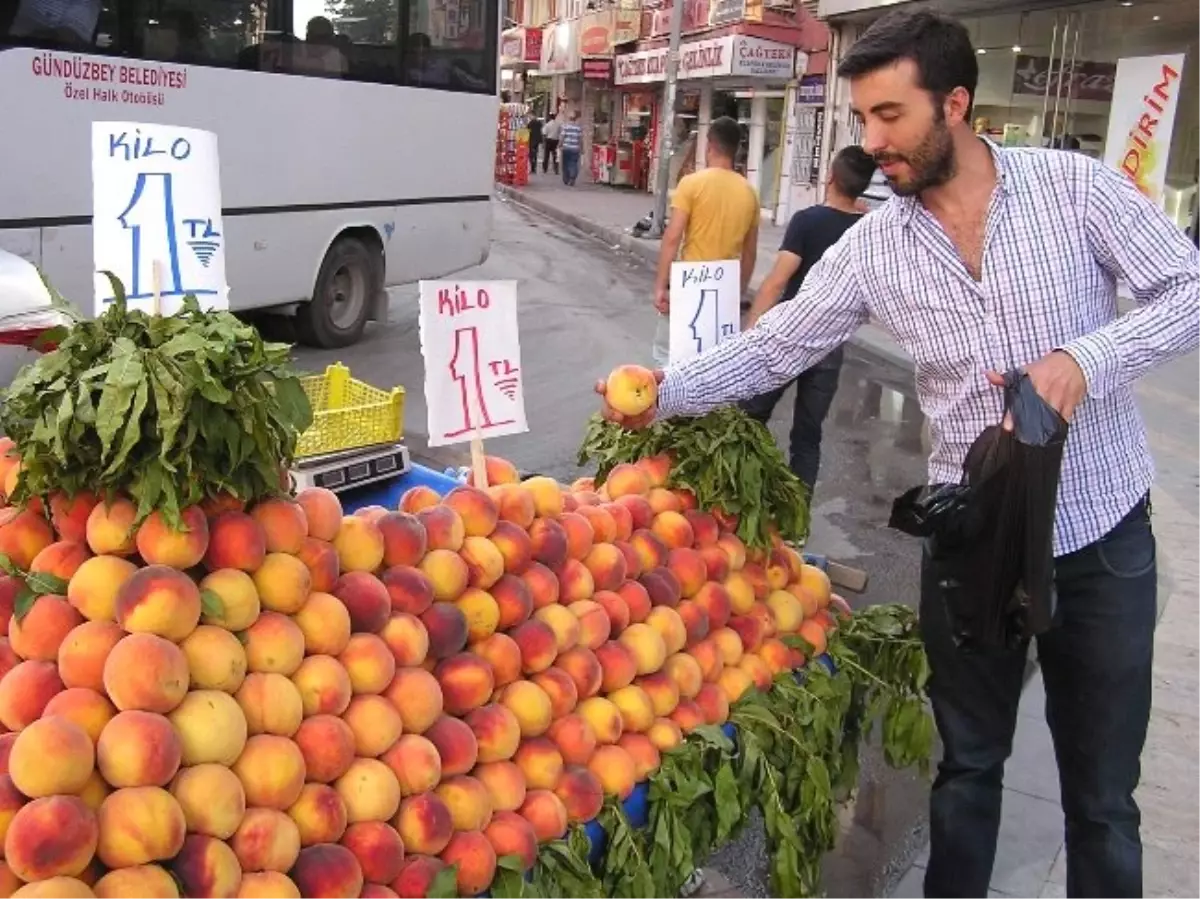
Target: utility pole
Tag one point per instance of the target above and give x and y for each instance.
(666, 125)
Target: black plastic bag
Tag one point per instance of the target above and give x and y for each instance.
(990, 537)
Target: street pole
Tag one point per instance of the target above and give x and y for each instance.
(666, 126)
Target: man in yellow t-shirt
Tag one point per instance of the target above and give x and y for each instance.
(714, 216)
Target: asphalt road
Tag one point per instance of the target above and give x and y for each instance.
(584, 308)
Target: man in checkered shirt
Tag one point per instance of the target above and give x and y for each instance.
(986, 260)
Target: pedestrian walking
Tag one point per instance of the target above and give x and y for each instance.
(535, 142)
(985, 260)
(714, 217)
(571, 146)
(809, 234)
(550, 133)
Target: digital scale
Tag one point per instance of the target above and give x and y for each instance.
(348, 469)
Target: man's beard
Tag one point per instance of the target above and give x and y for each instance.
(931, 163)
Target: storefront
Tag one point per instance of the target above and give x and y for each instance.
(738, 75)
(1078, 78)
(520, 52)
(560, 66)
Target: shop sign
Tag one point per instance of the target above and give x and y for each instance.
(597, 69)
(596, 34)
(1145, 97)
(759, 58)
(519, 46)
(727, 12)
(560, 48)
(811, 90)
(1082, 80)
(627, 24)
(533, 46)
(733, 54)
(695, 18)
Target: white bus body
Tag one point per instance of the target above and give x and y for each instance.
(332, 188)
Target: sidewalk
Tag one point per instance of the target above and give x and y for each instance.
(609, 214)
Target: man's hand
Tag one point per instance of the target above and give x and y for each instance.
(629, 422)
(662, 300)
(1058, 380)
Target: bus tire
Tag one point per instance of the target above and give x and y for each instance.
(350, 278)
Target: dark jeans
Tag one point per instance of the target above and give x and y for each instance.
(814, 395)
(570, 166)
(1096, 663)
(550, 154)
(534, 146)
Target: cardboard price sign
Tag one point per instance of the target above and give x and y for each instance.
(705, 306)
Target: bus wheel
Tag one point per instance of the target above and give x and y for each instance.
(348, 282)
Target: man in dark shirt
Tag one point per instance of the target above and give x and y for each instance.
(810, 233)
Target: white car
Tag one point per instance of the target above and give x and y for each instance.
(26, 312)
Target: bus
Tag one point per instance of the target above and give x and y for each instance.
(356, 137)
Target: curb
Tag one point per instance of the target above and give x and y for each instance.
(869, 338)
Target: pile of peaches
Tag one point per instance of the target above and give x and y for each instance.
(285, 700)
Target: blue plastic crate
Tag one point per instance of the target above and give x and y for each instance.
(388, 493)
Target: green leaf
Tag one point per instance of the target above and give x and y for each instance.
(23, 602)
(444, 884)
(212, 606)
(9, 567)
(43, 583)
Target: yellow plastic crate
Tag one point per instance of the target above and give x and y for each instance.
(348, 414)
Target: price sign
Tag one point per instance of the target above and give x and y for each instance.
(705, 306)
(156, 208)
(473, 379)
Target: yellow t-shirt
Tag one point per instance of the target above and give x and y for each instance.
(721, 207)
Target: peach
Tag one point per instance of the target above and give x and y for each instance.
(734, 549)
(664, 734)
(651, 551)
(716, 563)
(530, 707)
(715, 600)
(481, 611)
(140, 880)
(816, 582)
(735, 680)
(705, 530)
(543, 585)
(235, 540)
(695, 622)
(584, 669)
(605, 718)
(26, 689)
(87, 708)
(266, 840)
(689, 569)
(45, 625)
(143, 672)
(672, 528)
(283, 583)
(55, 888)
(216, 659)
(562, 622)
(756, 577)
(741, 593)
(448, 574)
(574, 737)
(505, 784)
(713, 701)
(274, 644)
(497, 732)
(366, 599)
(498, 471)
(322, 512)
(687, 500)
(475, 861)
(137, 749)
(271, 769)
(417, 498)
(633, 562)
(607, 566)
(406, 639)
(321, 560)
(325, 623)
(417, 696)
(444, 528)
(729, 643)
(627, 480)
(270, 703)
(111, 528)
(378, 849)
(513, 547)
(265, 885)
(615, 769)
(324, 686)
(662, 587)
(179, 546)
(604, 526)
(758, 670)
(6, 743)
(424, 824)
(787, 610)
(560, 690)
(547, 496)
(469, 802)
(775, 655)
(662, 691)
(53, 836)
(158, 599)
(359, 545)
(285, 524)
(622, 519)
(575, 582)
(515, 504)
(806, 600)
(207, 867)
(455, 743)
(663, 500)
(415, 762)
(211, 726)
(640, 513)
(656, 468)
(69, 515)
(93, 587)
(95, 791)
(637, 599)
(540, 762)
(688, 715)
(11, 802)
(212, 799)
(502, 653)
(637, 712)
(485, 564)
(328, 745)
(778, 570)
(549, 541)
(618, 666)
(446, 630)
(538, 644)
(52, 755)
(750, 632)
(327, 869)
(418, 875)
(631, 390)
(477, 509)
(647, 644)
(594, 623)
(466, 681)
(60, 559)
(510, 834)
(546, 812)
(644, 753)
(813, 633)
(320, 815)
(686, 673)
(581, 793)
(709, 657)
(233, 603)
(580, 534)
(375, 723)
(409, 589)
(369, 663)
(404, 540)
(139, 825)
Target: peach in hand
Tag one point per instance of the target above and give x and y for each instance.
(631, 390)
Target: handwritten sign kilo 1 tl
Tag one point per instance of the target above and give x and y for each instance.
(705, 306)
(156, 215)
(474, 385)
